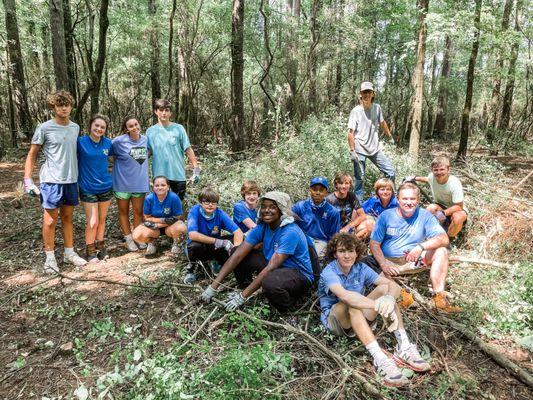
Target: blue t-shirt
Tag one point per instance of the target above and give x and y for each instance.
(373, 206)
(288, 239)
(93, 165)
(130, 171)
(361, 276)
(320, 223)
(169, 207)
(398, 235)
(213, 227)
(168, 145)
(241, 212)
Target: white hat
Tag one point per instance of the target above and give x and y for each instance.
(367, 86)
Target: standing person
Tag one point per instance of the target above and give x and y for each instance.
(58, 177)
(363, 138)
(384, 198)
(169, 144)
(95, 185)
(130, 176)
(244, 211)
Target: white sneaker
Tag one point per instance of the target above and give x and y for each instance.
(50, 266)
(175, 248)
(150, 250)
(141, 246)
(74, 259)
(409, 357)
(130, 244)
(390, 373)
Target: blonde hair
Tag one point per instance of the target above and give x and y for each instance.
(383, 182)
(440, 161)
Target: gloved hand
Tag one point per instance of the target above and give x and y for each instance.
(353, 156)
(169, 220)
(235, 302)
(150, 224)
(30, 188)
(223, 244)
(196, 174)
(440, 216)
(391, 322)
(384, 305)
(208, 294)
(410, 178)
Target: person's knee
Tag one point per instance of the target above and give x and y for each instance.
(459, 217)
(49, 220)
(356, 313)
(433, 208)
(138, 235)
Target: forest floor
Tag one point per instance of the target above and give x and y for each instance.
(115, 328)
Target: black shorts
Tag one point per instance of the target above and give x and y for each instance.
(178, 187)
(96, 198)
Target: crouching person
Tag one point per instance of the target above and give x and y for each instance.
(283, 266)
(346, 311)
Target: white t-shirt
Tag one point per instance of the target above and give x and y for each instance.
(365, 124)
(447, 194)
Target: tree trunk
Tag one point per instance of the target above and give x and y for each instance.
(11, 114)
(170, 47)
(155, 78)
(315, 35)
(465, 121)
(293, 10)
(439, 128)
(418, 82)
(338, 55)
(16, 68)
(59, 52)
(237, 75)
(69, 51)
(430, 91)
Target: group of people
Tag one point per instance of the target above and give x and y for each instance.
(287, 250)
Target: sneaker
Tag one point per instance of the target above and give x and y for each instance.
(74, 259)
(190, 278)
(141, 246)
(101, 250)
(151, 249)
(215, 267)
(406, 299)
(50, 266)
(442, 304)
(175, 249)
(131, 245)
(409, 357)
(390, 373)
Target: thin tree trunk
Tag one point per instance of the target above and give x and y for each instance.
(237, 75)
(431, 90)
(11, 110)
(170, 46)
(465, 121)
(439, 128)
(59, 52)
(293, 11)
(69, 51)
(155, 78)
(314, 27)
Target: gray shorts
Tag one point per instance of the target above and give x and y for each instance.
(335, 326)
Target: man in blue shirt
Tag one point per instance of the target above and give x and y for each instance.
(408, 238)
(283, 267)
(316, 216)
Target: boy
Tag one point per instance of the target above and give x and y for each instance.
(169, 143)
(205, 224)
(58, 177)
(448, 196)
(244, 211)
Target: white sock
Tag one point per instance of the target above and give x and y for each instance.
(69, 251)
(128, 238)
(401, 337)
(376, 352)
(50, 255)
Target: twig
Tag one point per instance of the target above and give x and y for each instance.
(198, 330)
(482, 261)
(523, 180)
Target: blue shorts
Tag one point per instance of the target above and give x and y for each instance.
(55, 195)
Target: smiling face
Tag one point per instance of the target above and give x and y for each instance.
(163, 115)
(270, 212)
(133, 127)
(343, 187)
(161, 187)
(385, 193)
(209, 207)
(441, 173)
(366, 96)
(251, 198)
(345, 258)
(98, 128)
(318, 193)
(408, 199)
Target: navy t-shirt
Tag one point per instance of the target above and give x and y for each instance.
(93, 165)
(169, 207)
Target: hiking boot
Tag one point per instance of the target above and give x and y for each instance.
(409, 357)
(151, 249)
(442, 304)
(50, 266)
(90, 253)
(74, 259)
(390, 373)
(101, 250)
(406, 299)
(130, 244)
(190, 278)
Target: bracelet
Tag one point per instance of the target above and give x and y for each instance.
(421, 246)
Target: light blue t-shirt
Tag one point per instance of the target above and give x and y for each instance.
(241, 212)
(169, 207)
(288, 239)
(373, 206)
(130, 170)
(168, 145)
(93, 165)
(398, 235)
(318, 222)
(213, 227)
(361, 276)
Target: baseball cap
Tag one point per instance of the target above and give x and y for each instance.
(367, 86)
(319, 180)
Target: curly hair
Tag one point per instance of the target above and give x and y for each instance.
(59, 98)
(345, 241)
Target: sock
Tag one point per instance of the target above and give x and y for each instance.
(128, 238)
(69, 251)
(401, 337)
(50, 255)
(376, 352)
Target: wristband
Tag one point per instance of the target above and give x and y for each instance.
(421, 246)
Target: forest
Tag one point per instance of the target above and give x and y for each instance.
(264, 89)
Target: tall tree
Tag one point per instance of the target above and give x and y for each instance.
(418, 81)
(237, 75)
(439, 128)
(69, 50)
(465, 120)
(155, 78)
(16, 68)
(59, 52)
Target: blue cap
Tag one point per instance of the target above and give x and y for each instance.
(319, 180)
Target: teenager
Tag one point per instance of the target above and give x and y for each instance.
(130, 176)
(95, 185)
(383, 199)
(244, 211)
(58, 177)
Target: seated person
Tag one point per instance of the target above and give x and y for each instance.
(383, 200)
(205, 224)
(353, 218)
(283, 266)
(409, 238)
(244, 212)
(346, 310)
(162, 210)
(318, 219)
(447, 194)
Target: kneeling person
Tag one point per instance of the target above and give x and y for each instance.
(346, 310)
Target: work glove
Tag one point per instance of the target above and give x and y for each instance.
(196, 174)
(384, 305)
(169, 220)
(223, 244)
(208, 294)
(410, 178)
(354, 156)
(150, 224)
(30, 188)
(440, 216)
(235, 302)
(391, 322)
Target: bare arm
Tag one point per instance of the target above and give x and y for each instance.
(351, 140)
(249, 223)
(385, 128)
(189, 152)
(31, 159)
(386, 266)
(276, 260)
(237, 237)
(433, 243)
(200, 237)
(456, 207)
(235, 259)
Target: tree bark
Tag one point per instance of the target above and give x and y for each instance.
(59, 52)
(16, 69)
(293, 17)
(237, 75)
(465, 120)
(418, 82)
(69, 51)
(439, 128)
(155, 78)
(314, 28)
(430, 91)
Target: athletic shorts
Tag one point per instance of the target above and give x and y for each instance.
(446, 224)
(96, 198)
(55, 195)
(128, 195)
(178, 187)
(335, 327)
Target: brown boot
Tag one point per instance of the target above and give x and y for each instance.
(90, 253)
(442, 304)
(405, 299)
(100, 246)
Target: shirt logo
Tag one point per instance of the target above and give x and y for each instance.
(105, 152)
(215, 231)
(275, 247)
(166, 210)
(138, 154)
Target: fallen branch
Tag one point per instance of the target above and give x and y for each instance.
(481, 261)
(523, 180)
(198, 330)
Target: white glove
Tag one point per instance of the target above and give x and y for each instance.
(410, 178)
(223, 244)
(208, 294)
(235, 302)
(354, 156)
(391, 322)
(30, 188)
(196, 174)
(385, 305)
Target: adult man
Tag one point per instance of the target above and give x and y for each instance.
(363, 138)
(406, 237)
(448, 197)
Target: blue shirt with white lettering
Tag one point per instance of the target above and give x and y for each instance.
(93, 165)
(241, 212)
(196, 222)
(373, 206)
(318, 222)
(169, 207)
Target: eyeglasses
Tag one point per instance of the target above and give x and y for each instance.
(209, 203)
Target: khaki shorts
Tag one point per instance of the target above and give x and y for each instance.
(409, 267)
(335, 326)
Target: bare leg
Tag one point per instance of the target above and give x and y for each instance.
(91, 224)
(124, 216)
(438, 259)
(458, 219)
(65, 212)
(137, 205)
(49, 228)
(142, 234)
(176, 230)
(103, 207)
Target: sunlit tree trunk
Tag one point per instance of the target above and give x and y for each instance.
(315, 34)
(439, 128)
(237, 75)
(69, 50)
(155, 79)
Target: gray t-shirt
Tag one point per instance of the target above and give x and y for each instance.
(365, 124)
(447, 194)
(59, 148)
